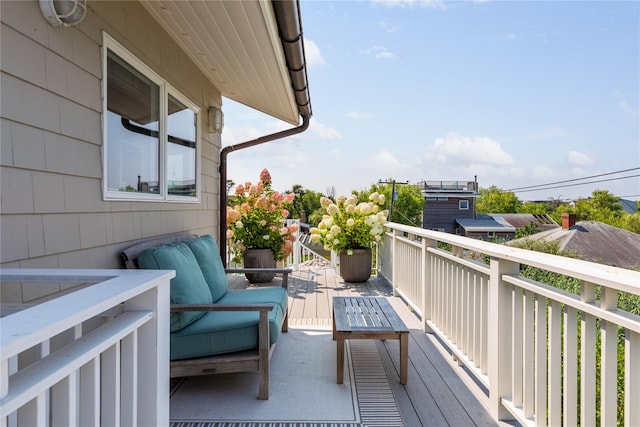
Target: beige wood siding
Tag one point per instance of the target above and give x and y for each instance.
(52, 211)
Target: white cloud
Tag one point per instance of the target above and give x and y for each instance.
(385, 160)
(388, 28)
(432, 4)
(358, 116)
(508, 37)
(624, 106)
(575, 158)
(478, 151)
(312, 54)
(378, 52)
(323, 131)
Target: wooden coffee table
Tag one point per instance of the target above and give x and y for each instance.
(368, 318)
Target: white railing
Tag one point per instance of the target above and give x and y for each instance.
(546, 356)
(95, 356)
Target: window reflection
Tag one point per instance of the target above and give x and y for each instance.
(132, 103)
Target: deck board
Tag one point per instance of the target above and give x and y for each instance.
(437, 393)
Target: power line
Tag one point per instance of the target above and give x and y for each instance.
(574, 185)
(573, 180)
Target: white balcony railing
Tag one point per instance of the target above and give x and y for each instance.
(96, 356)
(534, 346)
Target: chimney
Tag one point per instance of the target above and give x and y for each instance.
(303, 217)
(568, 220)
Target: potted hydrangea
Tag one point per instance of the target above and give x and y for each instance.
(352, 228)
(256, 226)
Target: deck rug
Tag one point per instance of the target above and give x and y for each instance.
(303, 389)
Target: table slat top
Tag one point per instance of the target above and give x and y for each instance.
(366, 314)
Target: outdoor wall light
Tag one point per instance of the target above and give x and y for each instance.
(63, 13)
(216, 120)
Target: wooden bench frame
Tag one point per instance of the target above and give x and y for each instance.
(242, 361)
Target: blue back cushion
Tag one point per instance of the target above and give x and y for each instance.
(206, 252)
(188, 287)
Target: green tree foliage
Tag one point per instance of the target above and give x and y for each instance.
(527, 230)
(307, 201)
(407, 208)
(632, 222)
(496, 200)
(602, 206)
(534, 208)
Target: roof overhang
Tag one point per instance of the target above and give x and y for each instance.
(238, 45)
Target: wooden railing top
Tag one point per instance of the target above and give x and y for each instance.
(613, 277)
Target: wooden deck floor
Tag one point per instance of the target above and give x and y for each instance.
(438, 392)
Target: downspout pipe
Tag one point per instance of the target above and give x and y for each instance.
(287, 14)
(223, 175)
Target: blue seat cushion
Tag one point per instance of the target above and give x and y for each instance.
(276, 295)
(219, 332)
(206, 252)
(188, 287)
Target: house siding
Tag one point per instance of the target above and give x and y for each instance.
(52, 210)
(442, 214)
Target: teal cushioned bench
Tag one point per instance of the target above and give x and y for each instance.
(214, 329)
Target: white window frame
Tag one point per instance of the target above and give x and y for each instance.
(166, 89)
(465, 203)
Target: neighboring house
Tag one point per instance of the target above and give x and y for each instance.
(111, 127)
(629, 206)
(542, 222)
(446, 202)
(595, 241)
(485, 227)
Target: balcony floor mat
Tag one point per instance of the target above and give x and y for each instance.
(365, 399)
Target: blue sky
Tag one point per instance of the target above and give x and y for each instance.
(516, 93)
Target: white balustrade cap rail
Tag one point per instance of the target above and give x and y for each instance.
(20, 330)
(612, 277)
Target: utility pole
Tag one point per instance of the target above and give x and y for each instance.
(394, 195)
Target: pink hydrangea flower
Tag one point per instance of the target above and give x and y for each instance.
(265, 176)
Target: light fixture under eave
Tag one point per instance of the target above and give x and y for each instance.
(63, 13)
(216, 120)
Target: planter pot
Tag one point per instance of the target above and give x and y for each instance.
(259, 258)
(357, 267)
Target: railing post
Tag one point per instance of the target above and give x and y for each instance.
(394, 263)
(426, 280)
(153, 357)
(500, 338)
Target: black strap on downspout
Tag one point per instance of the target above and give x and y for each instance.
(222, 238)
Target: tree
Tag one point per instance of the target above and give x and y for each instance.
(534, 208)
(496, 200)
(632, 222)
(307, 201)
(407, 208)
(602, 206)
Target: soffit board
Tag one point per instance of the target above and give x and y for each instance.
(237, 46)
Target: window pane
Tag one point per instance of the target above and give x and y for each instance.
(133, 150)
(181, 149)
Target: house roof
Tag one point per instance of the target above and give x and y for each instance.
(238, 45)
(484, 224)
(629, 206)
(542, 221)
(596, 242)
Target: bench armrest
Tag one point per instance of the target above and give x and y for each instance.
(284, 271)
(222, 307)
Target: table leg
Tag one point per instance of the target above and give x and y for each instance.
(340, 359)
(334, 327)
(404, 358)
